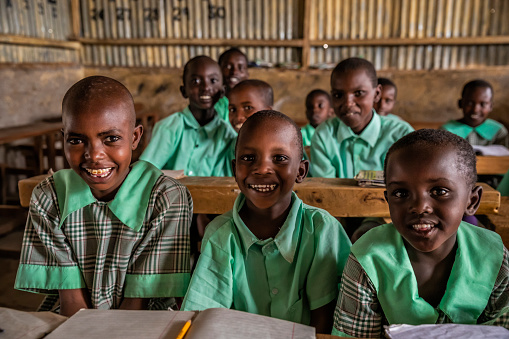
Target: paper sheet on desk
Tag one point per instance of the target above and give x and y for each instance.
(446, 331)
(492, 150)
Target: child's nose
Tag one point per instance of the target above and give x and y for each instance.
(94, 152)
(421, 205)
(263, 166)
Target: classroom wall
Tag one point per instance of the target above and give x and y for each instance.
(30, 93)
(424, 96)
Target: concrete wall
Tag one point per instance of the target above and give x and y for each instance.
(31, 93)
(424, 96)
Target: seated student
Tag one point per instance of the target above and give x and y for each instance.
(272, 254)
(385, 105)
(196, 139)
(318, 109)
(357, 138)
(105, 234)
(428, 266)
(247, 98)
(233, 65)
(477, 103)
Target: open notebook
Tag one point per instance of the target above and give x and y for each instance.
(211, 323)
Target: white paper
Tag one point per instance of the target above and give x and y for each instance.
(492, 150)
(446, 331)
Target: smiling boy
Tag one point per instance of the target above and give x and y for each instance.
(247, 98)
(98, 234)
(318, 109)
(357, 138)
(272, 254)
(476, 104)
(428, 266)
(196, 140)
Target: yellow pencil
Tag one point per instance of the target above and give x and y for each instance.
(184, 330)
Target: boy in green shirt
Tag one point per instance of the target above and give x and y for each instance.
(272, 254)
(318, 109)
(427, 266)
(196, 139)
(357, 138)
(105, 234)
(388, 94)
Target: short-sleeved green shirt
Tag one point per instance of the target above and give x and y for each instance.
(337, 152)
(503, 187)
(490, 132)
(135, 246)
(179, 142)
(285, 277)
(222, 109)
(307, 133)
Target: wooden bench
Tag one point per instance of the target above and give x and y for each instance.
(341, 197)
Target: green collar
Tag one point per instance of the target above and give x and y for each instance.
(383, 256)
(370, 134)
(487, 130)
(286, 239)
(210, 128)
(130, 203)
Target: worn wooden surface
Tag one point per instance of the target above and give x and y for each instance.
(341, 197)
(492, 165)
(501, 220)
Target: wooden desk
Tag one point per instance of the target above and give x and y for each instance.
(492, 165)
(501, 220)
(341, 197)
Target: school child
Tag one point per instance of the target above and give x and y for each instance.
(105, 234)
(427, 266)
(247, 98)
(318, 109)
(385, 105)
(477, 103)
(272, 254)
(233, 65)
(357, 138)
(196, 139)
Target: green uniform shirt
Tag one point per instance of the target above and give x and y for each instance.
(503, 187)
(307, 133)
(134, 246)
(379, 285)
(222, 109)
(337, 152)
(285, 277)
(179, 142)
(490, 132)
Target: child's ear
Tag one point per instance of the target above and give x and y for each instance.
(378, 93)
(183, 92)
(137, 133)
(460, 103)
(303, 171)
(474, 201)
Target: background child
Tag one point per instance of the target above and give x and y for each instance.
(272, 254)
(196, 139)
(385, 105)
(318, 109)
(247, 98)
(357, 138)
(477, 103)
(427, 267)
(104, 234)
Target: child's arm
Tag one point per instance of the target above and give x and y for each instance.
(161, 146)
(322, 317)
(321, 163)
(71, 301)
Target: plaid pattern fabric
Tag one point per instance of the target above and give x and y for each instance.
(501, 138)
(102, 247)
(359, 314)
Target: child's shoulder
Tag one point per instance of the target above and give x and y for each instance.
(392, 124)
(318, 215)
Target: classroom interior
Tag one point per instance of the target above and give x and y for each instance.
(430, 49)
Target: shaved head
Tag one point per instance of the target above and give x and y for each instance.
(98, 90)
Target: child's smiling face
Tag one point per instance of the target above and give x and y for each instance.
(353, 96)
(243, 103)
(476, 104)
(234, 69)
(203, 84)
(428, 196)
(268, 163)
(99, 137)
(318, 109)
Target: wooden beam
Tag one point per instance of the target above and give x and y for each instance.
(75, 19)
(306, 46)
(194, 42)
(22, 40)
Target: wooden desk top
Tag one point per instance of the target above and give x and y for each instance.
(501, 220)
(28, 131)
(492, 165)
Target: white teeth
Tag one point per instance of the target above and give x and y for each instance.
(238, 126)
(205, 97)
(233, 79)
(263, 188)
(422, 227)
(100, 173)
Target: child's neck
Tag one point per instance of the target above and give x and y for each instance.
(462, 120)
(203, 116)
(264, 223)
